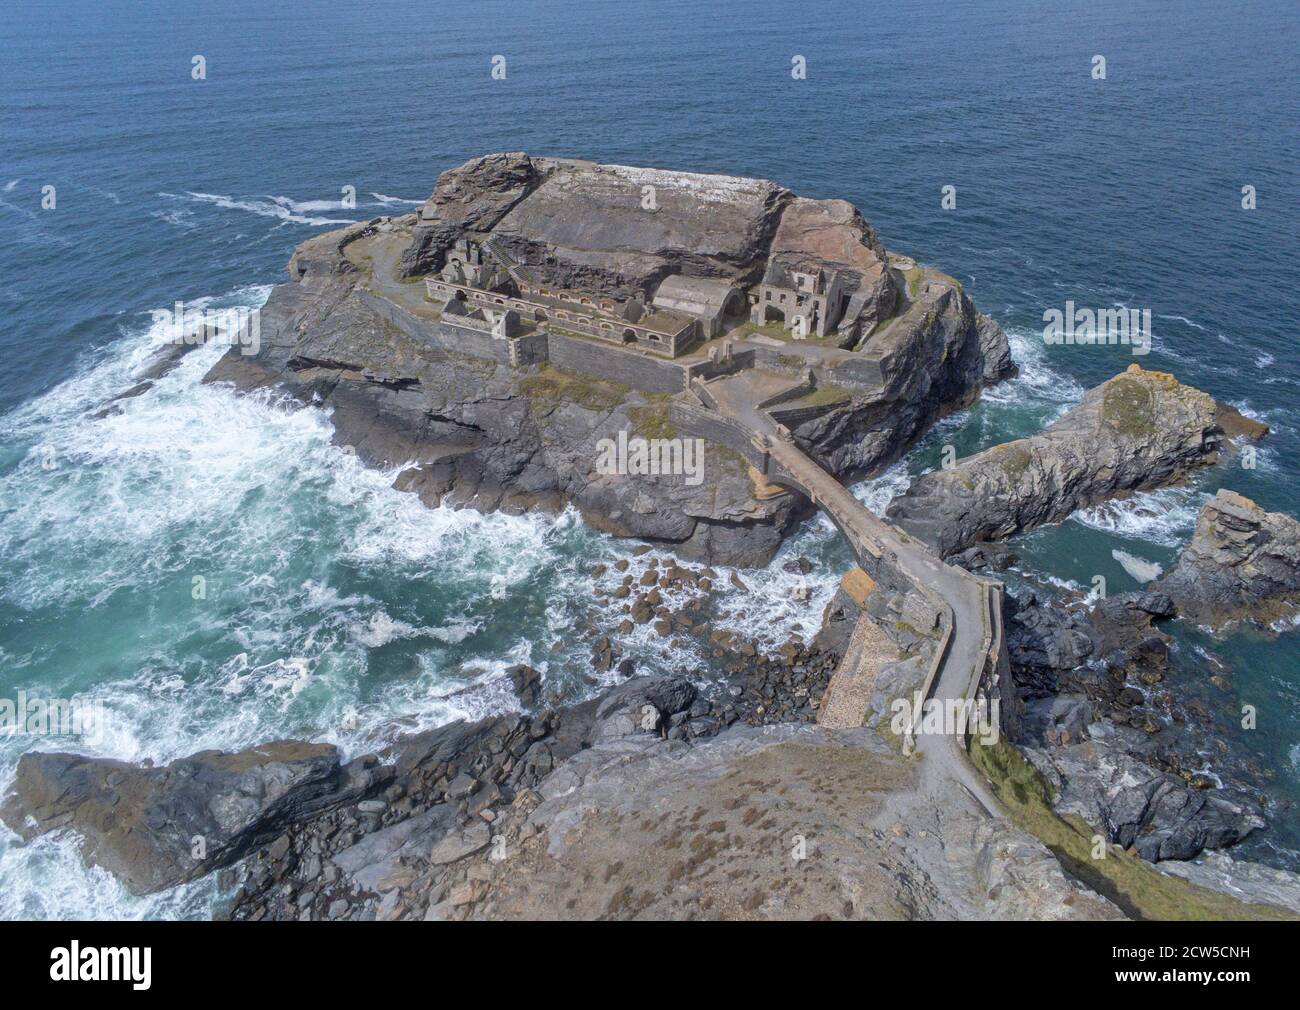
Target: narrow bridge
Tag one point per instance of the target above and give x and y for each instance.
(966, 610)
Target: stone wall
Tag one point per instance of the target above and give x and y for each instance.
(792, 417)
(861, 371)
(649, 375)
(709, 369)
(700, 422)
(454, 338)
(854, 371)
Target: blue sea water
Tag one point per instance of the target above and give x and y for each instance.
(338, 608)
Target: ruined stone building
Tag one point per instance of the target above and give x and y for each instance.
(807, 299)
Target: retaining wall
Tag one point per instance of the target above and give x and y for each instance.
(649, 375)
(448, 336)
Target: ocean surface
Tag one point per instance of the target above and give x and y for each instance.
(338, 609)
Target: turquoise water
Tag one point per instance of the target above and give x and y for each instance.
(339, 609)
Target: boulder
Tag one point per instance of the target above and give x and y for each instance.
(1242, 563)
(527, 683)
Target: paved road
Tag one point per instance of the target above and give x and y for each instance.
(868, 534)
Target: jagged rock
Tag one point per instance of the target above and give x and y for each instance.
(459, 844)
(1241, 563)
(1253, 882)
(141, 823)
(527, 683)
(473, 197)
(1157, 814)
(584, 226)
(1137, 431)
(1058, 721)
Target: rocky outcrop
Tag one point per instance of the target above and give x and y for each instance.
(1158, 815)
(617, 231)
(1110, 650)
(154, 828)
(1242, 563)
(478, 433)
(1118, 747)
(471, 198)
(1137, 431)
(934, 358)
(347, 335)
(833, 232)
(1253, 882)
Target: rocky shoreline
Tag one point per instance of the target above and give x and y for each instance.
(552, 810)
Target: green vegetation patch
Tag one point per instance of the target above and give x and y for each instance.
(651, 421)
(1129, 406)
(820, 397)
(1015, 458)
(552, 386)
(1125, 878)
(914, 278)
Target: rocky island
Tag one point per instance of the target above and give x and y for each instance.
(535, 306)
(485, 347)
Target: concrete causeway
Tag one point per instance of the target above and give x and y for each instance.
(967, 609)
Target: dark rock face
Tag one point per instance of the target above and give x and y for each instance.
(934, 359)
(487, 436)
(1241, 563)
(526, 682)
(1113, 743)
(1157, 814)
(834, 232)
(1137, 431)
(157, 827)
(585, 227)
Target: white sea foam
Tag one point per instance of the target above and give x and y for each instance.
(1165, 517)
(1182, 319)
(1139, 569)
(877, 492)
(1037, 385)
(248, 492)
(276, 207)
(387, 201)
(777, 602)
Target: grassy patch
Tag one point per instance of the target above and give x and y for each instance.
(1129, 406)
(1125, 878)
(914, 277)
(552, 386)
(1014, 458)
(820, 397)
(651, 421)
